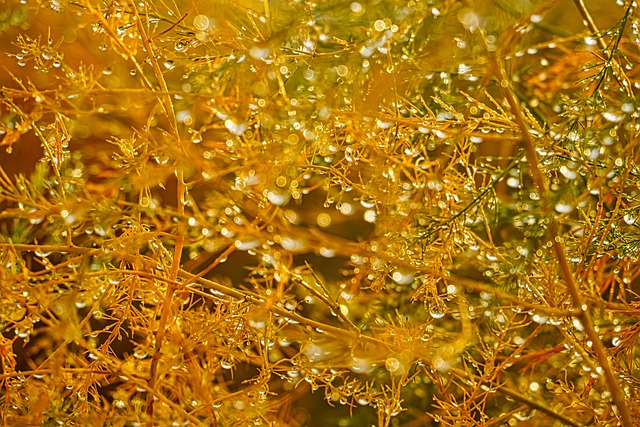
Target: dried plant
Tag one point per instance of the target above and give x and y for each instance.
(398, 213)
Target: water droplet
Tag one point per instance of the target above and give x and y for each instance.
(235, 128)
(293, 244)
(563, 207)
(366, 51)
(437, 311)
(257, 324)
(522, 416)
(226, 363)
(383, 125)
(612, 117)
(184, 116)
(326, 252)
(36, 221)
(161, 160)
(350, 155)
(392, 365)
(246, 244)
(323, 219)
(513, 182)
(367, 202)
(345, 208)
(260, 53)
(356, 7)
(578, 325)
(201, 22)
(539, 318)
(361, 365)
(70, 219)
(402, 277)
(370, 216)
(314, 352)
(278, 198)
(568, 173)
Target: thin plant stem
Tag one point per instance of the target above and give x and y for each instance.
(591, 24)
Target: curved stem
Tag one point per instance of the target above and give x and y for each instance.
(579, 308)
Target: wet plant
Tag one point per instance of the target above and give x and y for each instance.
(336, 213)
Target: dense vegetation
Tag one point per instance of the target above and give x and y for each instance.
(340, 213)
